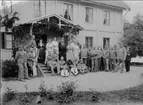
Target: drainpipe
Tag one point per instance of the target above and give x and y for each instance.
(45, 7)
(11, 5)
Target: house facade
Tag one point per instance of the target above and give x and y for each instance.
(102, 21)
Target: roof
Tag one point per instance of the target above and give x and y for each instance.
(114, 3)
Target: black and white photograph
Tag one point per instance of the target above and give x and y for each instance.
(71, 52)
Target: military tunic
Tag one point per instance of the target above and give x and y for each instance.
(21, 57)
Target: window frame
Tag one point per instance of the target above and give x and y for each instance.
(67, 7)
(87, 44)
(5, 41)
(37, 8)
(92, 17)
(104, 39)
(107, 18)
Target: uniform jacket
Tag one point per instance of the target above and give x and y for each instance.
(21, 56)
(112, 54)
(84, 53)
(128, 57)
(121, 54)
(106, 54)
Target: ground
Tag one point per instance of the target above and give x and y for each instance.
(101, 81)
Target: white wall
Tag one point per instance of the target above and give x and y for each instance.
(6, 54)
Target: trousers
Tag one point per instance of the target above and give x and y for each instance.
(95, 64)
(22, 69)
(127, 66)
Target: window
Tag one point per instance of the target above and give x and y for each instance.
(68, 11)
(106, 42)
(37, 8)
(89, 15)
(6, 41)
(7, 6)
(89, 42)
(106, 18)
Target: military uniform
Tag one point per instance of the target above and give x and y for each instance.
(112, 59)
(94, 60)
(52, 62)
(101, 61)
(106, 57)
(21, 57)
(127, 61)
(121, 56)
(84, 54)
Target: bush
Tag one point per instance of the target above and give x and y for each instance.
(43, 89)
(25, 99)
(9, 95)
(9, 68)
(66, 92)
(95, 96)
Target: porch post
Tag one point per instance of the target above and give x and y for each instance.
(31, 29)
(59, 23)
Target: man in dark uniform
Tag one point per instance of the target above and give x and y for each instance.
(128, 60)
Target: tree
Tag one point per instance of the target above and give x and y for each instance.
(8, 22)
(133, 35)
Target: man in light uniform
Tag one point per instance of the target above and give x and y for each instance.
(121, 56)
(21, 58)
(106, 57)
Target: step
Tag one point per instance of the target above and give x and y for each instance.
(47, 73)
(40, 64)
(43, 68)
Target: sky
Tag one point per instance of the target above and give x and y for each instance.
(136, 6)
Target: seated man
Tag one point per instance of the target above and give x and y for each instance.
(52, 61)
(62, 63)
(82, 68)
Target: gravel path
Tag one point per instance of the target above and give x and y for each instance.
(101, 81)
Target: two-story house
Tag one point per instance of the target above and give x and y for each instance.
(102, 21)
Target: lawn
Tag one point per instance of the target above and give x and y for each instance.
(130, 96)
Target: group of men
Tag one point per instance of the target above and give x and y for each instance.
(90, 59)
(26, 58)
(108, 59)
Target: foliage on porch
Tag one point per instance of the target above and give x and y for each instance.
(23, 32)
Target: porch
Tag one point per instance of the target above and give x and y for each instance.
(48, 27)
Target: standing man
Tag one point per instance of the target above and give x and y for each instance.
(112, 59)
(89, 58)
(94, 60)
(121, 56)
(21, 58)
(128, 60)
(106, 57)
(83, 54)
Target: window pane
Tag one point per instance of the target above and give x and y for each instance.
(106, 18)
(68, 11)
(36, 8)
(8, 37)
(9, 44)
(89, 15)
